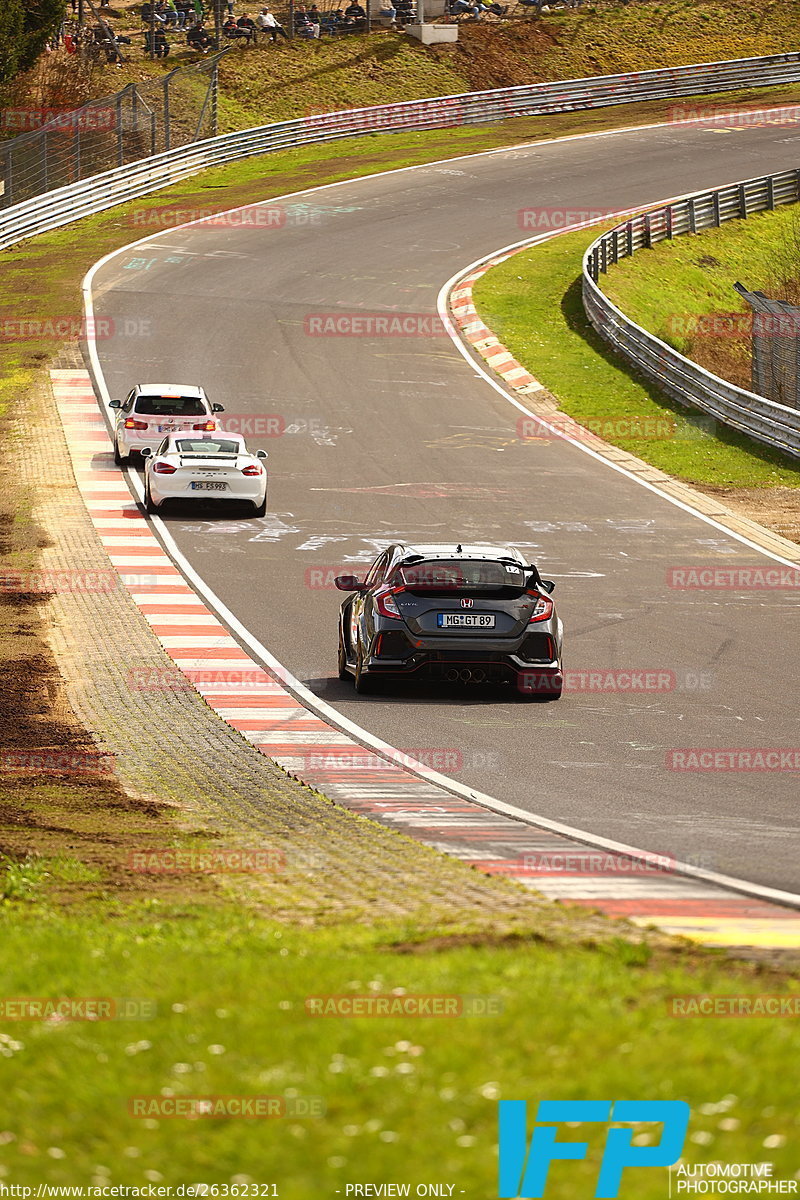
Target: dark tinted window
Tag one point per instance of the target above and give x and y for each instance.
(441, 574)
(170, 406)
(201, 446)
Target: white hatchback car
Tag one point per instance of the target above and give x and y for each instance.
(204, 466)
(152, 410)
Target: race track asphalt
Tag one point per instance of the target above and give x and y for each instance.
(399, 438)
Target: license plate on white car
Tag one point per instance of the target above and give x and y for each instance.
(167, 428)
(465, 620)
(209, 487)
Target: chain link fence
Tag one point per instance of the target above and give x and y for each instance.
(140, 121)
(775, 344)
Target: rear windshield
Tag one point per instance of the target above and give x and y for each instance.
(201, 446)
(443, 574)
(170, 406)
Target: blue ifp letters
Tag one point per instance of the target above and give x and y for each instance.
(524, 1173)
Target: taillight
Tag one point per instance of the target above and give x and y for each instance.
(253, 469)
(164, 468)
(542, 609)
(132, 423)
(387, 605)
(207, 426)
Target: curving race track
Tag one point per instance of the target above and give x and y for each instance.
(400, 438)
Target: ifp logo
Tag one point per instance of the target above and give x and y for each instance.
(523, 1171)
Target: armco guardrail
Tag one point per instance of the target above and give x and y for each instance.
(79, 199)
(760, 418)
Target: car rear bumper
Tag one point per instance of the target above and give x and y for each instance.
(462, 659)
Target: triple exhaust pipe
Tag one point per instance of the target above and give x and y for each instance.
(465, 675)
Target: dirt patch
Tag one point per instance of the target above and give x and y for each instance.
(776, 508)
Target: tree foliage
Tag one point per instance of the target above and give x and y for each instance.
(25, 26)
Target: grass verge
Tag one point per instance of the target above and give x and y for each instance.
(672, 288)
(533, 303)
(406, 1099)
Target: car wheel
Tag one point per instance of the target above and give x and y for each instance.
(149, 504)
(261, 509)
(118, 458)
(364, 683)
(343, 671)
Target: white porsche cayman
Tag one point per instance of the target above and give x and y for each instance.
(206, 466)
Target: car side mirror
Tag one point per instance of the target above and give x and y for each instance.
(349, 583)
(145, 452)
(115, 404)
(261, 454)
(218, 408)
(548, 585)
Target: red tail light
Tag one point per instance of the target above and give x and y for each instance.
(207, 426)
(542, 609)
(132, 423)
(253, 469)
(387, 605)
(164, 468)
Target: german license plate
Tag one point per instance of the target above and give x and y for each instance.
(167, 428)
(465, 620)
(208, 486)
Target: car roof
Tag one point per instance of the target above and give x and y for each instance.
(468, 550)
(168, 389)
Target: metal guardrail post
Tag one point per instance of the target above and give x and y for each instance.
(743, 201)
(715, 202)
(648, 239)
(669, 222)
(118, 119)
(770, 193)
(692, 216)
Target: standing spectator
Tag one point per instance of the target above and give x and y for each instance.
(159, 42)
(267, 24)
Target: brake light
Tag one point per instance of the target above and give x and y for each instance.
(132, 423)
(387, 605)
(207, 426)
(164, 468)
(253, 469)
(542, 609)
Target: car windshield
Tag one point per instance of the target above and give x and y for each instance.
(443, 574)
(203, 447)
(170, 406)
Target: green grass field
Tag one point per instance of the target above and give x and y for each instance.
(406, 1099)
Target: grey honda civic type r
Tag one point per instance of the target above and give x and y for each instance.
(452, 613)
